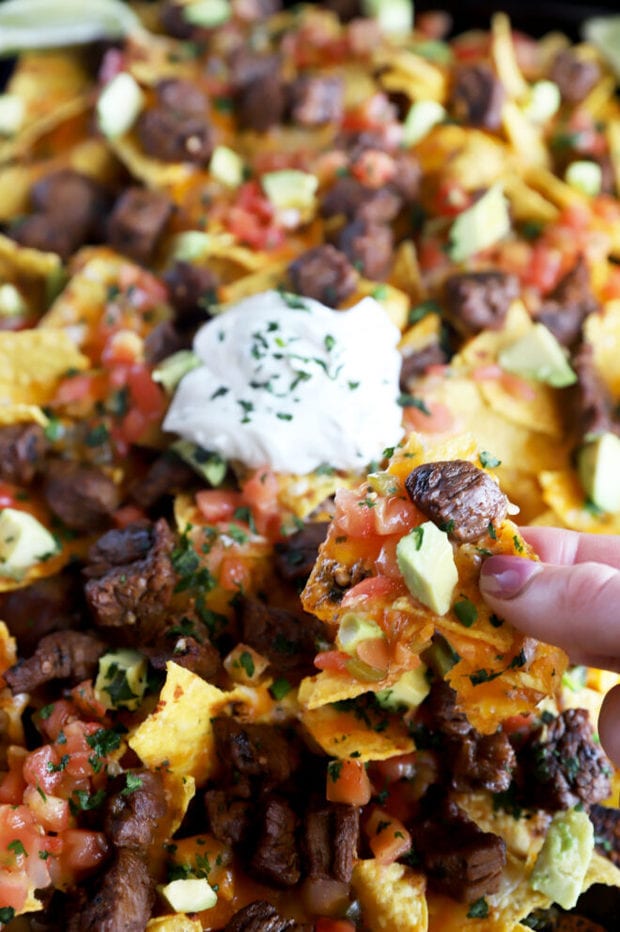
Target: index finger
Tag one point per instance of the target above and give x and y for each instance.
(565, 548)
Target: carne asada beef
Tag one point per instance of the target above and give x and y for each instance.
(135, 596)
(440, 713)
(63, 655)
(457, 496)
(275, 859)
(574, 75)
(201, 657)
(137, 223)
(478, 96)
(479, 301)
(177, 128)
(323, 273)
(561, 766)
(123, 898)
(258, 90)
(369, 247)
(22, 452)
(52, 603)
(174, 22)
(83, 497)
(164, 340)
(118, 547)
(287, 639)
(253, 755)
(330, 840)
(606, 822)
(261, 917)
(68, 209)
(567, 306)
(229, 817)
(316, 100)
(415, 364)
(594, 408)
(192, 290)
(167, 475)
(459, 859)
(297, 554)
(131, 819)
(350, 198)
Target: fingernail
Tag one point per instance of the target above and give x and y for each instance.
(506, 577)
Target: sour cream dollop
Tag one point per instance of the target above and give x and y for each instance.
(288, 383)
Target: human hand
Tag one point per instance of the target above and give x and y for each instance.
(571, 599)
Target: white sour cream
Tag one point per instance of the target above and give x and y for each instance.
(288, 383)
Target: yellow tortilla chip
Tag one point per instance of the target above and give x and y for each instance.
(563, 494)
(392, 896)
(264, 279)
(527, 204)
(178, 735)
(23, 261)
(406, 273)
(177, 923)
(153, 173)
(341, 733)
(412, 75)
(32, 362)
(602, 330)
(21, 414)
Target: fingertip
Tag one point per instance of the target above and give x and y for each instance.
(504, 577)
(609, 725)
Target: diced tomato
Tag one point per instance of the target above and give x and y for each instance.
(218, 504)
(374, 168)
(128, 514)
(373, 587)
(333, 660)
(12, 786)
(347, 782)
(387, 836)
(51, 812)
(87, 702)
(517, 386)
(8, 495)
(43, 768)
(77, 388)
(333, 925)
(251, 219)
(438, 420)
(471, 45)
(395, 515)
(451, 198)
(54, 717)
(400, 767)
(431, 254)
(82, 852)
(144, 290)
(545, 267)
(611, 288)
(123, 347)
(235, 574)
(147, 399)
(375, 652)
(517, 723)
(386, 563)
(260, 492)
(353, 515)
(22, 869)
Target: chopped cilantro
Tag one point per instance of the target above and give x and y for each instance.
(246, 661)
(245, 515)
(479, 909)
(491, 530)
(6, 913)
(104, 741)
(46, 710)
(483, 676)
(410, 401)
(517, 661)
(17, 848)
(330, 342)
(334, 769)
(294, 301)
(421, 310)
(466, 612)
(517, 543)
(57, 768)
(96, 435)
(238, 534)
(418, 536)
(488, 460)
(85, 801)
(132, 783)
(280, 688)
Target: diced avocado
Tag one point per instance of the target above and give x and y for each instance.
(585, 176)
(207, 13)
(422, 116)
(119, 105)
(290, 189)
(226, 166)
(392, 15)
(537, 355)
(598, 465)
(24, 541)
(170, 371)
(563, 860)
(121, 680)
(407, 692)
(426, 560)
(210, 466)
(189, 894)
(604, 33)
(355, 628)
(11, 114)
(575, 678)
(543, 101)
(480, 226)
(11, 301)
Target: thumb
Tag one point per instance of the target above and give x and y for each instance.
(574, 607)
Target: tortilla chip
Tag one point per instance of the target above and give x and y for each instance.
(394, 301)
(199, 247)
(302, 494)
(406, 273)
(526, 138)
(504, 57)
(32, 362)
(344, 733)
(563, 493)
(151, 172)
(178, 735)
(18, 261)
(412, 75)
(264, 279)
(602, 330)
(180, 922)
(21, 414)
(392, 896)
(526, 203)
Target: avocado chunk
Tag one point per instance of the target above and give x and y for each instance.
(537, 355)
(11, 302)
(426, 560)
(585, 176)
(422, 116)
(12, 111)
(207, 13)
(407, 692)
(290, 189)
(354, 629)
(24, 541)
(480, 226)
(121, 680)
(119, 105)
(171, 370)
(226, 166)
(563, 860)
(189, 894)
(598, 465)
(543, 101)
(210, 466)
(395, 16)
